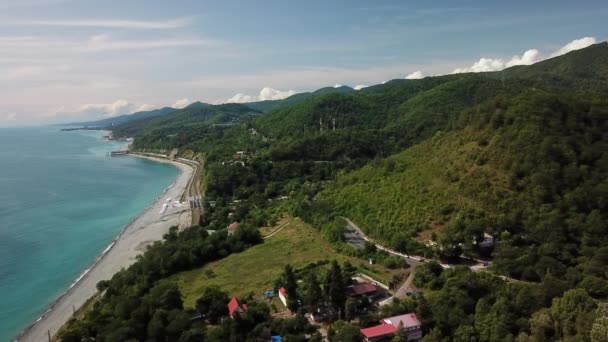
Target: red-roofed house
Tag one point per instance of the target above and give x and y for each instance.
(383, 332)
(233, 227)
(283, 296)
(362, 289)
(235, 306)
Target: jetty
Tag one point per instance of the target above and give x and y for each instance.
(117, 153)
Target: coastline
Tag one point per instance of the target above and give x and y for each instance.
(149, 226)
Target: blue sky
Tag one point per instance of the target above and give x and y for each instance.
(63, 60)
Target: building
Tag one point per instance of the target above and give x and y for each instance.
(362, 289)
(379, 333)
(388, 327)
(488, 240)
(233, 227)
(235, 306)
(283, 296)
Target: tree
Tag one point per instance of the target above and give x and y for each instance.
(212, 304)
(599, 330)
(572, 313)
(334, 287)
(400, 334)
(291, 287)
(314, 295)
(350, 309)
(465, 333)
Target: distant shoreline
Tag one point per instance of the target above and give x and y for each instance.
(149, 226)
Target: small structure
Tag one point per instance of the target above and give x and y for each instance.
(235, 306)
(233, 227)
(283, 296)
(488, 241)
(361, 289)
(388, 327)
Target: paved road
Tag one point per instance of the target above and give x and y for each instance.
(415, 260)
(351, 228)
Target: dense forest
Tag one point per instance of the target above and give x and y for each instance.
(425, 166)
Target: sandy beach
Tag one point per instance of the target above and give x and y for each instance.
(148, 227)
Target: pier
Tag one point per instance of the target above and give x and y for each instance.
(116, 153)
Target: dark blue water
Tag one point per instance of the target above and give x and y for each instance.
(62, 201)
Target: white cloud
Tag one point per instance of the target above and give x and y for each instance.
(181, 103)
(105, 23)
(496, 64)
(118, 107)
(415, 75)
(360, 86)
(529, 57)
(266, 93)
(574, 45)
(337, 86)
(103, 42)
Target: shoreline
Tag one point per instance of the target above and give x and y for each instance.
(148, 226)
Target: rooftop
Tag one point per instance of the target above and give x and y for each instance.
(409, 320)
(379, 330)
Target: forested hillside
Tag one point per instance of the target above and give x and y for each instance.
(428, 167)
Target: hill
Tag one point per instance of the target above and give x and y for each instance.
(428, 167)
(269, 105)
(125, 119)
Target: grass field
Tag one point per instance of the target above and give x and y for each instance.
(255, 269)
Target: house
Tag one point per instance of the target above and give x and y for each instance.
(488, 240)
(379, 333)
(233, 227)
(283, 296)
(388, 327)
(361, 289)
(235, 306)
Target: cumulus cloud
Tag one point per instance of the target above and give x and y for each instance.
(337, 86)
(529, 57)
(181, 103)
(360, 86)
(415, 75)
(118, 107)
(496, 64)
(266, 93)
(574, 45)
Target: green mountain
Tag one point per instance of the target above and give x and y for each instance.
(521, 155)
(125, 119)
(269, 105)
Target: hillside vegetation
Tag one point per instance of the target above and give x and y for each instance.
(428, 167)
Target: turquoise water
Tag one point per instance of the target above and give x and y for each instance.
(62, 202)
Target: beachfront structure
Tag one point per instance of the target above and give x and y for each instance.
(387, 328)
(235, 306)
(283, 296)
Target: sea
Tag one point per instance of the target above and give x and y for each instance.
(62, 202)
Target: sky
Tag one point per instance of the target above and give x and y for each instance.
(66, 60)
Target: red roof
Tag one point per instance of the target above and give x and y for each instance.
(283, 291)
(379, 330)
(234, 305)
(234, 226)
(362, 289)
(409, 320)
